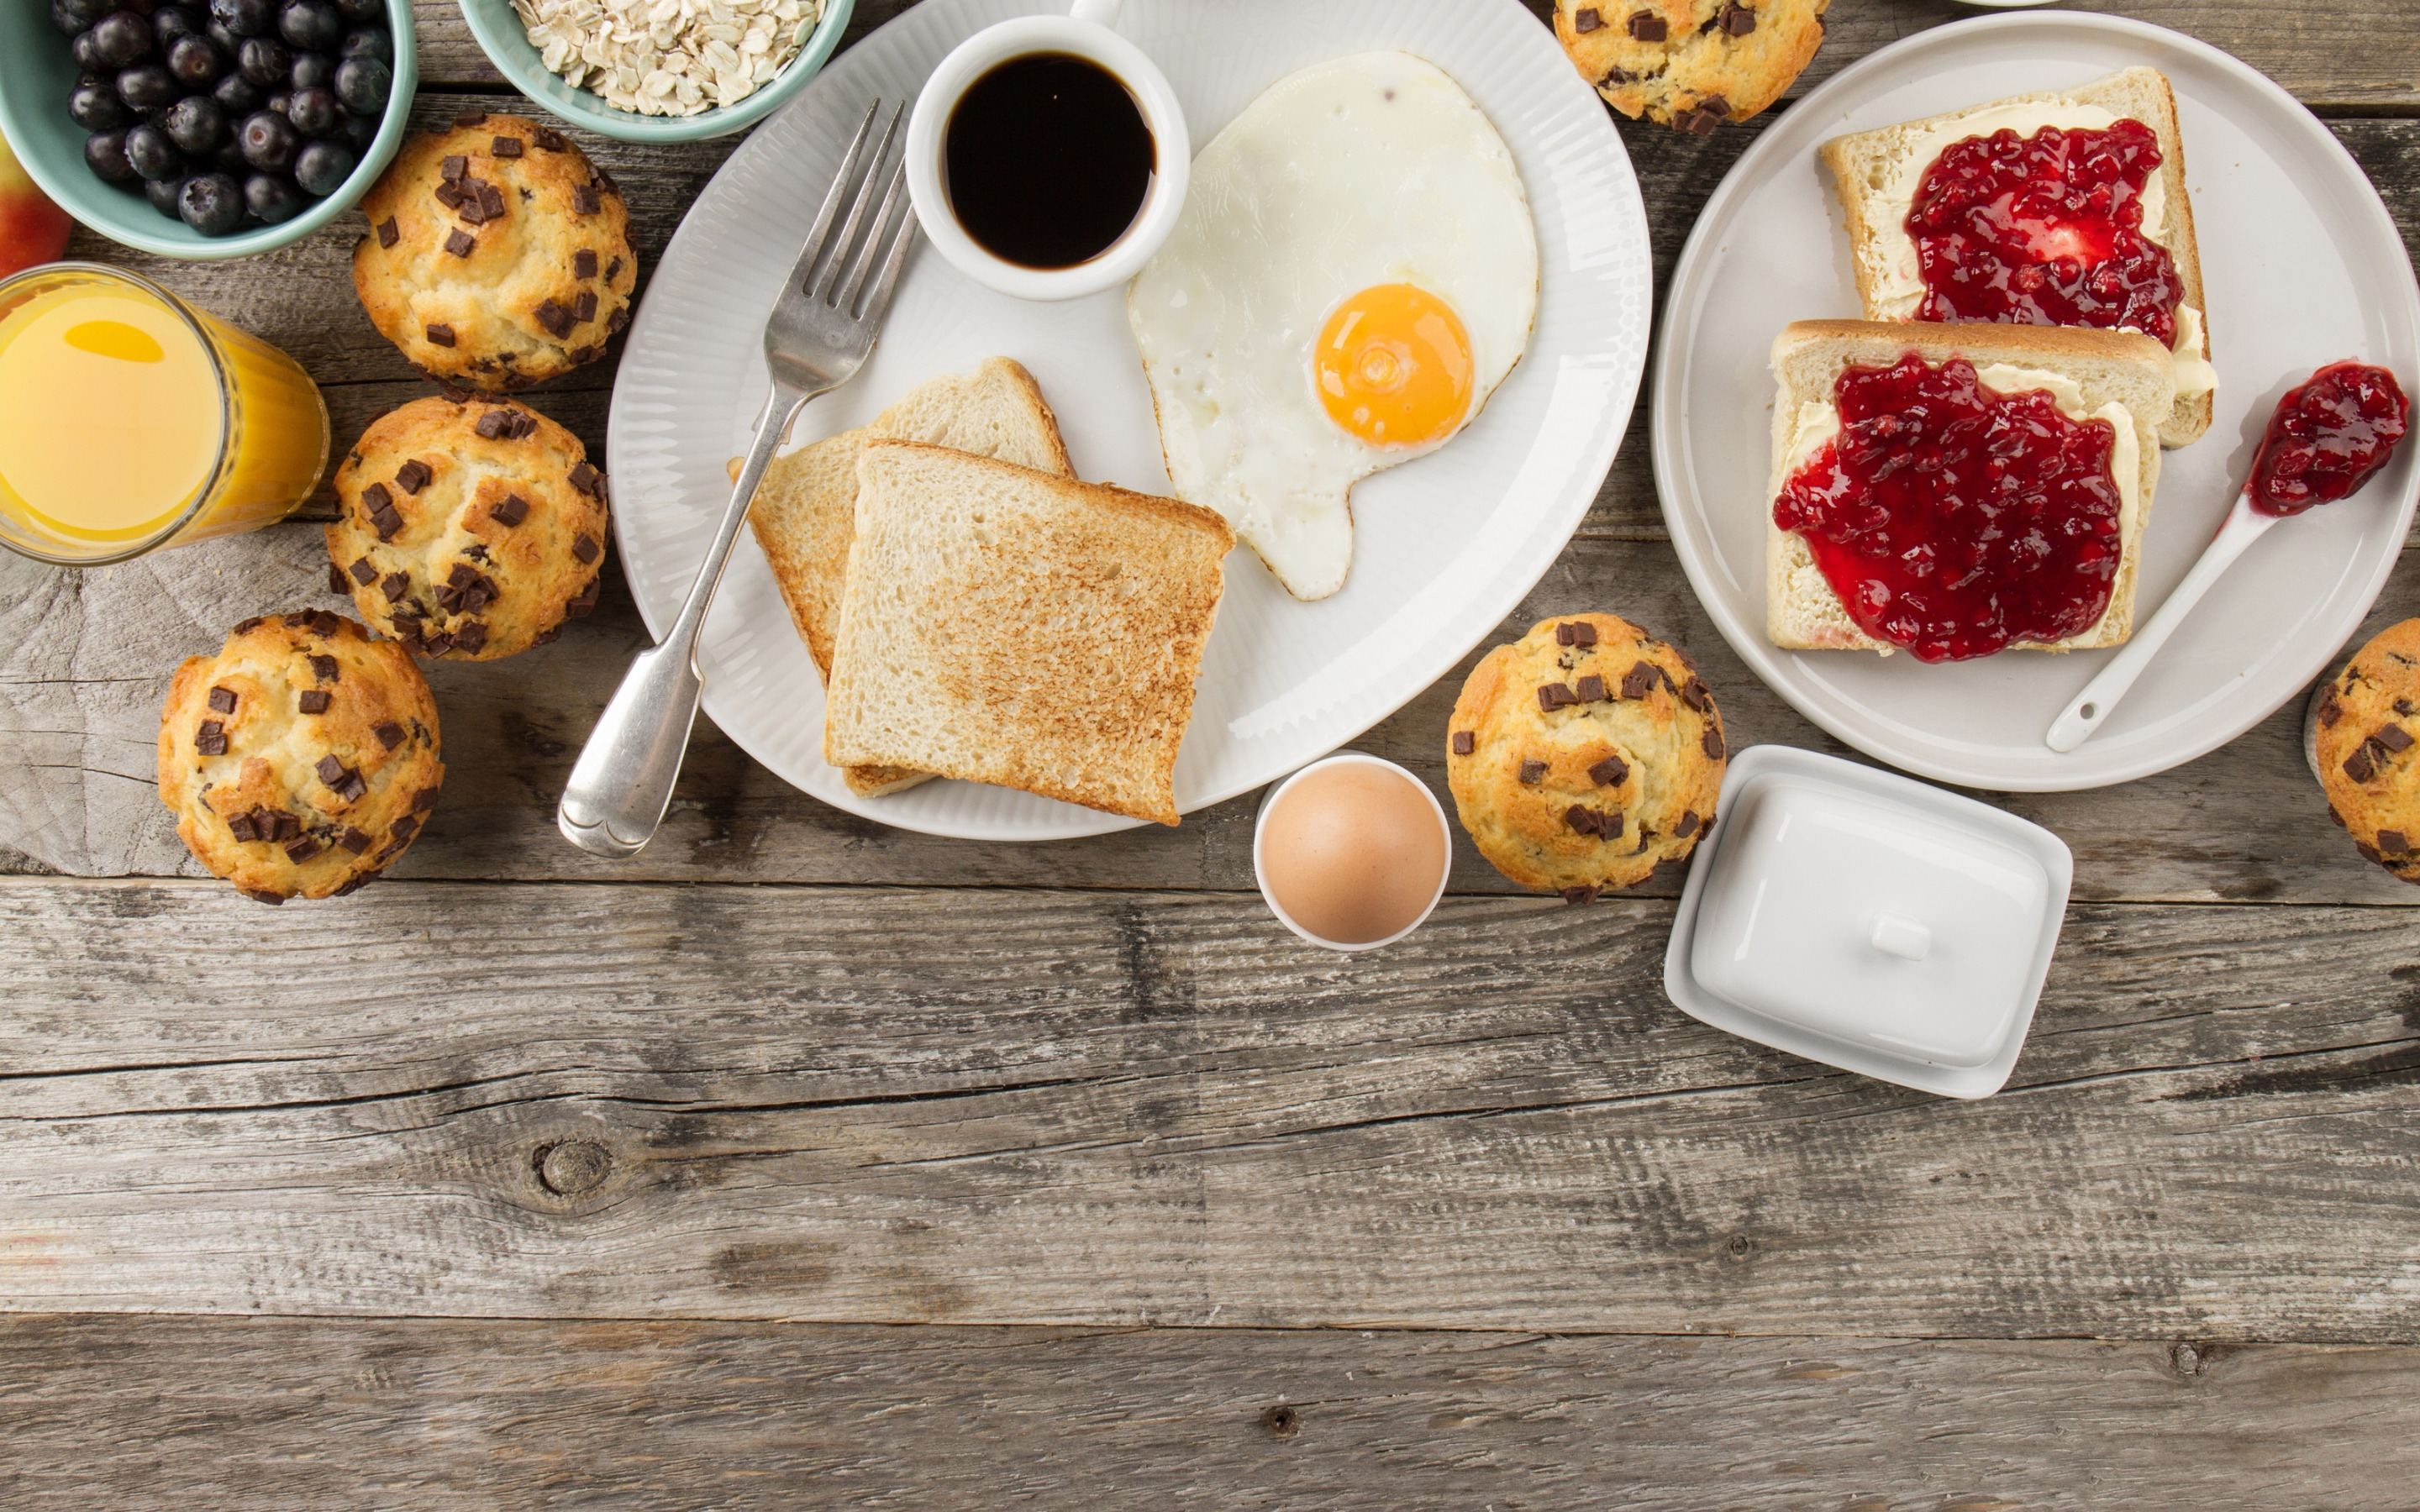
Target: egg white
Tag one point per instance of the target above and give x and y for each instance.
(1375, 168)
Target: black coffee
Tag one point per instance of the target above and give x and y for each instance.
(1048, 160)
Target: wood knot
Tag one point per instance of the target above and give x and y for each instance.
(1738, 1248)
(573, 1166)
(1282, 1421)
(2187, 1359)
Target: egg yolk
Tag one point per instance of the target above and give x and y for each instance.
(1393, 366)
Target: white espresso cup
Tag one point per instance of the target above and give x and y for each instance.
(1085, 33)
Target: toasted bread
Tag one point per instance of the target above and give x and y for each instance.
(1875, 171)
(1007, 626)
(2123, 367)
(805, 509)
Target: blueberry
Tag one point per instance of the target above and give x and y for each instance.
(227, 158)
(119, 38)
(73, 16)
(313, 70)
(148, 86)
(268, 141)
(97, 108)
(246, 18)
(238, 94)
(314, 112)
(363, 84)
(104, 153)
(85, 50)
(153, 155)
(223, 37)
(368, 41)
(322, 167)
(212, 204)
(360, 132)
(196, 124)
(195, 62)
(278, 102)
(169, 22)
(362, 9)
(265, 61)
(273, 197)
(163, 193)
(313, 24)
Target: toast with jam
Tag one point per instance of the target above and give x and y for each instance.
(2060, 209)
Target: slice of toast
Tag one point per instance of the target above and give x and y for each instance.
(2123, 367)
(805, 510)
(1875, 174)
(1007, 626)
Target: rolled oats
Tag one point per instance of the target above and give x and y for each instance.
(668, 57)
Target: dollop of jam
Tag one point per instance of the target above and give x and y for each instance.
(1953, 519)
(2044, 230)
(2328, 436)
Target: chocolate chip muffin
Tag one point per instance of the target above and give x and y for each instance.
(497, 255)
(301, 759)
(1583, 754)
(469, 530)
(2366, 720)
(1690, 64)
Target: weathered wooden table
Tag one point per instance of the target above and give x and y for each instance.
(526, 1179)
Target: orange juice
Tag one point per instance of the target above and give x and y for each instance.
(130, 420)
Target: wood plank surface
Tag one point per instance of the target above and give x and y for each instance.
(165, 1415)
(533, 1189)
(1096, 1109)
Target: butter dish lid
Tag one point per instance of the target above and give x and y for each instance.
(1870, 921)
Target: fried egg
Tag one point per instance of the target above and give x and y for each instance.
(1354, 272)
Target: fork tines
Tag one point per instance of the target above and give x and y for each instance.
(836, 266)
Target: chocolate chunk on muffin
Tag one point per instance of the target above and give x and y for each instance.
(498, 257)
(303, 759)
(2367, 724)
(469, 529)
(1583, 755)
(1690, 64)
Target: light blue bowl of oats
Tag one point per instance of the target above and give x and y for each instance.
(658, 70)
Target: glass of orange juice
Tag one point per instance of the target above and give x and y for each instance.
(130, 420)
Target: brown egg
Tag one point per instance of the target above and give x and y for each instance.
(1352, 852)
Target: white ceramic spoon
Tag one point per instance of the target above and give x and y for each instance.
(2324, 477)
(2246, 524)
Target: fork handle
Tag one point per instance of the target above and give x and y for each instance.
(623, 781)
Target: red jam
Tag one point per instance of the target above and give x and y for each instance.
(2327, 438)
(2044, 230)
(1953, 519)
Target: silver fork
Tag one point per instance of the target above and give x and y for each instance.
(821, 329)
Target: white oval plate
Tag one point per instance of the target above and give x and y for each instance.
(1444, 547)
(2302, 266)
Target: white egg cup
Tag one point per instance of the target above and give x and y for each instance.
(1084, 33)
(1260, 827)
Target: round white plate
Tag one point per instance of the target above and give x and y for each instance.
(1444, 547)
(2302, 266)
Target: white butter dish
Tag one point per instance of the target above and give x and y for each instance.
(1870, 921)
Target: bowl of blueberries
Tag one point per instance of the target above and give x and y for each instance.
(206, 128)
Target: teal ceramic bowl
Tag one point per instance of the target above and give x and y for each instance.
(505, 40)
(36, 77)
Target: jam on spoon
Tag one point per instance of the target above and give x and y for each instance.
(2327, 439)
(1952, 519)
(2044, 230)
